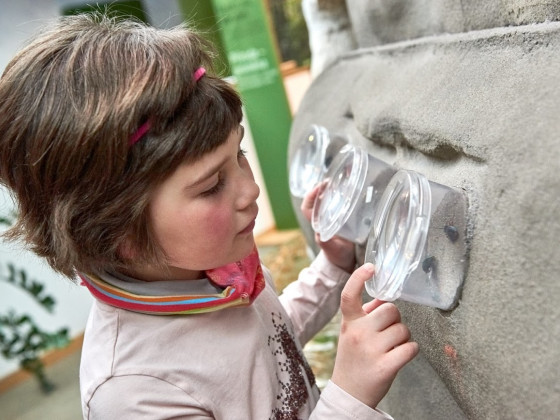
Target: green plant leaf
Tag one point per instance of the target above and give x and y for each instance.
(20, 337)
(6, 221)
(35, 289)
(48, 303)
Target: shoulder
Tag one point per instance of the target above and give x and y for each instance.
(139, 397)
(268, 277)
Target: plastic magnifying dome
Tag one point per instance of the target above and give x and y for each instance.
(400, 229)
(308, 164)
(343, 184)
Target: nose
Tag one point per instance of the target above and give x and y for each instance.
(249, 190)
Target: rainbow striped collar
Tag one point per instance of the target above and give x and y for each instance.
(240, 282)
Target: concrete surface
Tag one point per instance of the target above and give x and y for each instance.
(473, 104)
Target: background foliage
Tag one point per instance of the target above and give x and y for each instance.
(291, 30)
(20, 337)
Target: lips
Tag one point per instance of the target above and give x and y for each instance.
(251, 225)
(249, 228)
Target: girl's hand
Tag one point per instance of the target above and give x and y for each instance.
(339, 251)
(373, 344)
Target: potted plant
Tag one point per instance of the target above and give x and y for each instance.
(20, 337)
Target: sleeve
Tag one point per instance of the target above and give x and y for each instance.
(142, 397)
(314, 298)
(335, 403)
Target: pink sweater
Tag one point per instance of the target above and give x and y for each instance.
(237, 363)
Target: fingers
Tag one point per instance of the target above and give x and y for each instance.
(401, 355)
(373, 342)
(317, 238)
(351, 298)
(371, 305)
(393, 336)
(384, 316)
(309, 201)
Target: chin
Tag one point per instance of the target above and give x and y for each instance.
(246, 248)
(241, 249)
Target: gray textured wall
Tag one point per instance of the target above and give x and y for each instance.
(467, 93)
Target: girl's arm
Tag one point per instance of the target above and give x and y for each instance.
(373, 342)
(314, 298)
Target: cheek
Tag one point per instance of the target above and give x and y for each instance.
(191, 229)
(218, 222)
(215, 225)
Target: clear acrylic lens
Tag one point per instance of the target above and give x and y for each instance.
(399, 234)
(343, 184)
(308, 164)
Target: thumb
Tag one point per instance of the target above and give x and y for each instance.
(309, 198)
(351, 298)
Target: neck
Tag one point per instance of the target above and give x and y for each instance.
(168, 273)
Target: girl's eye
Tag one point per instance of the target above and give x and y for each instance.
(241, 153)
(215, 189)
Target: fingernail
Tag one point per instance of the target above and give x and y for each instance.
(368, 266)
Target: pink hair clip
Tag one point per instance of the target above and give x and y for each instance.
(138, 134)
(199, 72)
(144, 128)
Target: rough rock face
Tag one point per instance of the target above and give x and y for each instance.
(468, 94)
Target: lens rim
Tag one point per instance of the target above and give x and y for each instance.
(391, 274)
(303, 156)
(322, 223)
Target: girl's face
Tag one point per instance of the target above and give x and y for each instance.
(203, 215)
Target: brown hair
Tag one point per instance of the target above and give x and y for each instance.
(69, 103)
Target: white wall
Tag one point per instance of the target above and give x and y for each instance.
(18, 21)
(72, 301)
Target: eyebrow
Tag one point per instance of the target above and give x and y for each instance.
(214, 168)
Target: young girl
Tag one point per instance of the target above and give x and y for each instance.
(123, 155)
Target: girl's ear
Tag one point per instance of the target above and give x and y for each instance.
(127, 250)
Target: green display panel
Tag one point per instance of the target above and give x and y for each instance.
(252, 58)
